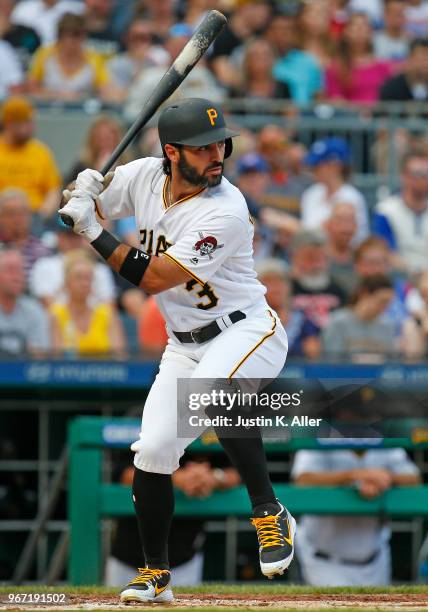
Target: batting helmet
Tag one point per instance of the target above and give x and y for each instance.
(194, 122)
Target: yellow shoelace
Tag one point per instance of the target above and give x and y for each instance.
(147, 574)
(268, 531)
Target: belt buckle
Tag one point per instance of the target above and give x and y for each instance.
(192, 335)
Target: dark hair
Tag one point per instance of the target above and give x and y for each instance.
(71, 22)
(343, 53)
(370, 285)
(166, 162)
(418, 42)
(166, 165)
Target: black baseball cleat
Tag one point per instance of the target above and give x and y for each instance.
(151, 585)
(276, 529)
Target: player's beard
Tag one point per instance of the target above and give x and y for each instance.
(192, 176)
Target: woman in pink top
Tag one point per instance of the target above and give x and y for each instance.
(355, 75)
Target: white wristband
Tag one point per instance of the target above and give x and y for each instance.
(92, 232)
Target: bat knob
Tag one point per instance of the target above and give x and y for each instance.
(66, 219)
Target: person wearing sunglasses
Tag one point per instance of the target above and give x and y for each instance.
(67, 70)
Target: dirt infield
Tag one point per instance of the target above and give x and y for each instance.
(379, 602)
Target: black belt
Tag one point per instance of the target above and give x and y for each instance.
(203, 334)
(319, 554)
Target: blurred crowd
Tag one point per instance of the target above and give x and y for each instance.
(348, 51)
(347, 279)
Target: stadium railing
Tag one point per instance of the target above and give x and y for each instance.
(91, 500)
(375, 134)
(38, 397)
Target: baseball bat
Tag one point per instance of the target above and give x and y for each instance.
(192, 52)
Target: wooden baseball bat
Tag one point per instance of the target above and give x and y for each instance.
(192, 52)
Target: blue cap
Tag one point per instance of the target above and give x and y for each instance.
(251, 162)
(328, 149)
(180, 29)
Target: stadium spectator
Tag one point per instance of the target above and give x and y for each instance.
(339, 15)
(24, 39)
(355, 74)
(276, 189)
(194, 11)
(340, 230)
(272, 142)
(289, 177)
(199, 83)
(27, 163)
(100, 36)
(152, 334)
(374, 257)
(402, 219)
(252, 179)
(392, 42)
(294, 67)
(46, 280)
(15, 227)
(159, 14)
(44, 16)
(374, 9)
(254, 79)
(79, 327)
(263, 242)
(359, 331)
(417, 18)
(415, 328)
(349, 550)
(67, 70)
(330, 161)
(302, 333)
(140, 54)
(11, 74)
(249, 18)
(24, 325)
(282, 188)
(103, 135)
(313, 290)
(314, 30)
(412, 82)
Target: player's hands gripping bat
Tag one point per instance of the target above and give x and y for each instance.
(202, 38)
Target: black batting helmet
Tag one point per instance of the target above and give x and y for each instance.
(194, 122)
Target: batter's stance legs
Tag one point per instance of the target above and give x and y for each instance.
(153, 498)
(274, 524)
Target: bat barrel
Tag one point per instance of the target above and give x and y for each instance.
(199, 42)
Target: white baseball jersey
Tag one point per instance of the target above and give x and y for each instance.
(209, 234)
(354, 538)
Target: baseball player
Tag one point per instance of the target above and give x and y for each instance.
(196, 258)
(349, 550)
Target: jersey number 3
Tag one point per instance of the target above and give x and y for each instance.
(204, 292)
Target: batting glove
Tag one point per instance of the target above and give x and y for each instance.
(90, 182)
(81, 208)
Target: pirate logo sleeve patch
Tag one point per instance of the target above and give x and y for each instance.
(206, 246)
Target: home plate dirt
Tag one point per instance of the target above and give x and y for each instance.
(404, 602)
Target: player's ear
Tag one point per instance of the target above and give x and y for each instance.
(172, 153)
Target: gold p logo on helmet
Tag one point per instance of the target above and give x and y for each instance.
(212, 115)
